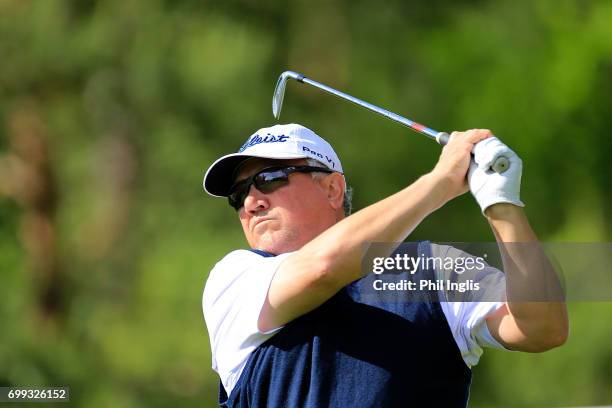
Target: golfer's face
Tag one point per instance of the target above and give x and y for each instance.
(287, 218)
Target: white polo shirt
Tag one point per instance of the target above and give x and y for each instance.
(238, 285)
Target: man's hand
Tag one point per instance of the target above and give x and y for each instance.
(454, 161)
(489, 187)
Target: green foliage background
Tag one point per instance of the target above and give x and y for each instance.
(136, 98)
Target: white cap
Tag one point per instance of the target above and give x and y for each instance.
(290, 141)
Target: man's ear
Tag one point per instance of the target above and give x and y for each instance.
(334, 186)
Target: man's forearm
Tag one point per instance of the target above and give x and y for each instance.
(332, 260)
(389, 220)
(534, 295)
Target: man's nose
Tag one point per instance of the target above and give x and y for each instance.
(256, 201)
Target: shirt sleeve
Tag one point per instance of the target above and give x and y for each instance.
(234, 294)
(467, 319)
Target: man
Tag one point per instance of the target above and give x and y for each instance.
(288, 323)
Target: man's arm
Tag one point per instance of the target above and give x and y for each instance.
(536, 325)
(329, 262)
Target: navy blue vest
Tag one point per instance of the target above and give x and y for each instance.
(358, 351)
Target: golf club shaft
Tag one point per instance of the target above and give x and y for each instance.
(433, 134)
(499, 166)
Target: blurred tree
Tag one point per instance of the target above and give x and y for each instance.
(26, 175)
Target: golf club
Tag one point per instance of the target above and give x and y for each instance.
(500, 165)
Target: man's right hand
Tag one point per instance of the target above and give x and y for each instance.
(454, 162)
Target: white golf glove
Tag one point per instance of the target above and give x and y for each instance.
(489, 187)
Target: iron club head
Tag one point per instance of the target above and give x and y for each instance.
(279, 91)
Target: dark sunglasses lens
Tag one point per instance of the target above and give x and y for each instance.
(238, 194)
(267, 182)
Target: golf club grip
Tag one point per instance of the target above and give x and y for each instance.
(499, 166)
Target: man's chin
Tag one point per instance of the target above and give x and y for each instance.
(276, 244)
(273, 249)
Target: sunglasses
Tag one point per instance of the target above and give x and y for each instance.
(267, 181)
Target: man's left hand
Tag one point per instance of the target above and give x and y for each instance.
(489, 187)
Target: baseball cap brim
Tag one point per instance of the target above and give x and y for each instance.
(220, 175)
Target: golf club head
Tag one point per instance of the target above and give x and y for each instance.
(279, 91)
